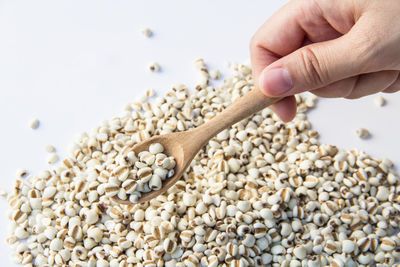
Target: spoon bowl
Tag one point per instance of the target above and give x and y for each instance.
(172, 147)
(184, 146)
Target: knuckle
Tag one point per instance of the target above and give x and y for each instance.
(312, 67)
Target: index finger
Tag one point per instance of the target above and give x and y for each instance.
(294, 25)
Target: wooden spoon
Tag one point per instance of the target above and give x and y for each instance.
(184, 146)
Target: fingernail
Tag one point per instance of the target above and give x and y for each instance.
(276, 82)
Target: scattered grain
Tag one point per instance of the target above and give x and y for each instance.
(362, 133)
(146, 32)
(154, 67)
(34, 124)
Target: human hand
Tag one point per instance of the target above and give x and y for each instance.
(347, 48)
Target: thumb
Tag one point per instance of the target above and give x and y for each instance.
(312, 67)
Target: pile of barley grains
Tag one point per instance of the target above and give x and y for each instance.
(261, 193)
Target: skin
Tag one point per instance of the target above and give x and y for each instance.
(346, 48)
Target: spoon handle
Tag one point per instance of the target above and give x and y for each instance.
(243, 107)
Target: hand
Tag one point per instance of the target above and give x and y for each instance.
(346, 48)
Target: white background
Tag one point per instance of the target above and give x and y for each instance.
(74, 63)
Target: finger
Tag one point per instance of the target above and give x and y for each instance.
(372, 83)
(394, 87)
(285, 109)
(288, 30)
(318, 65)
(341, 88)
